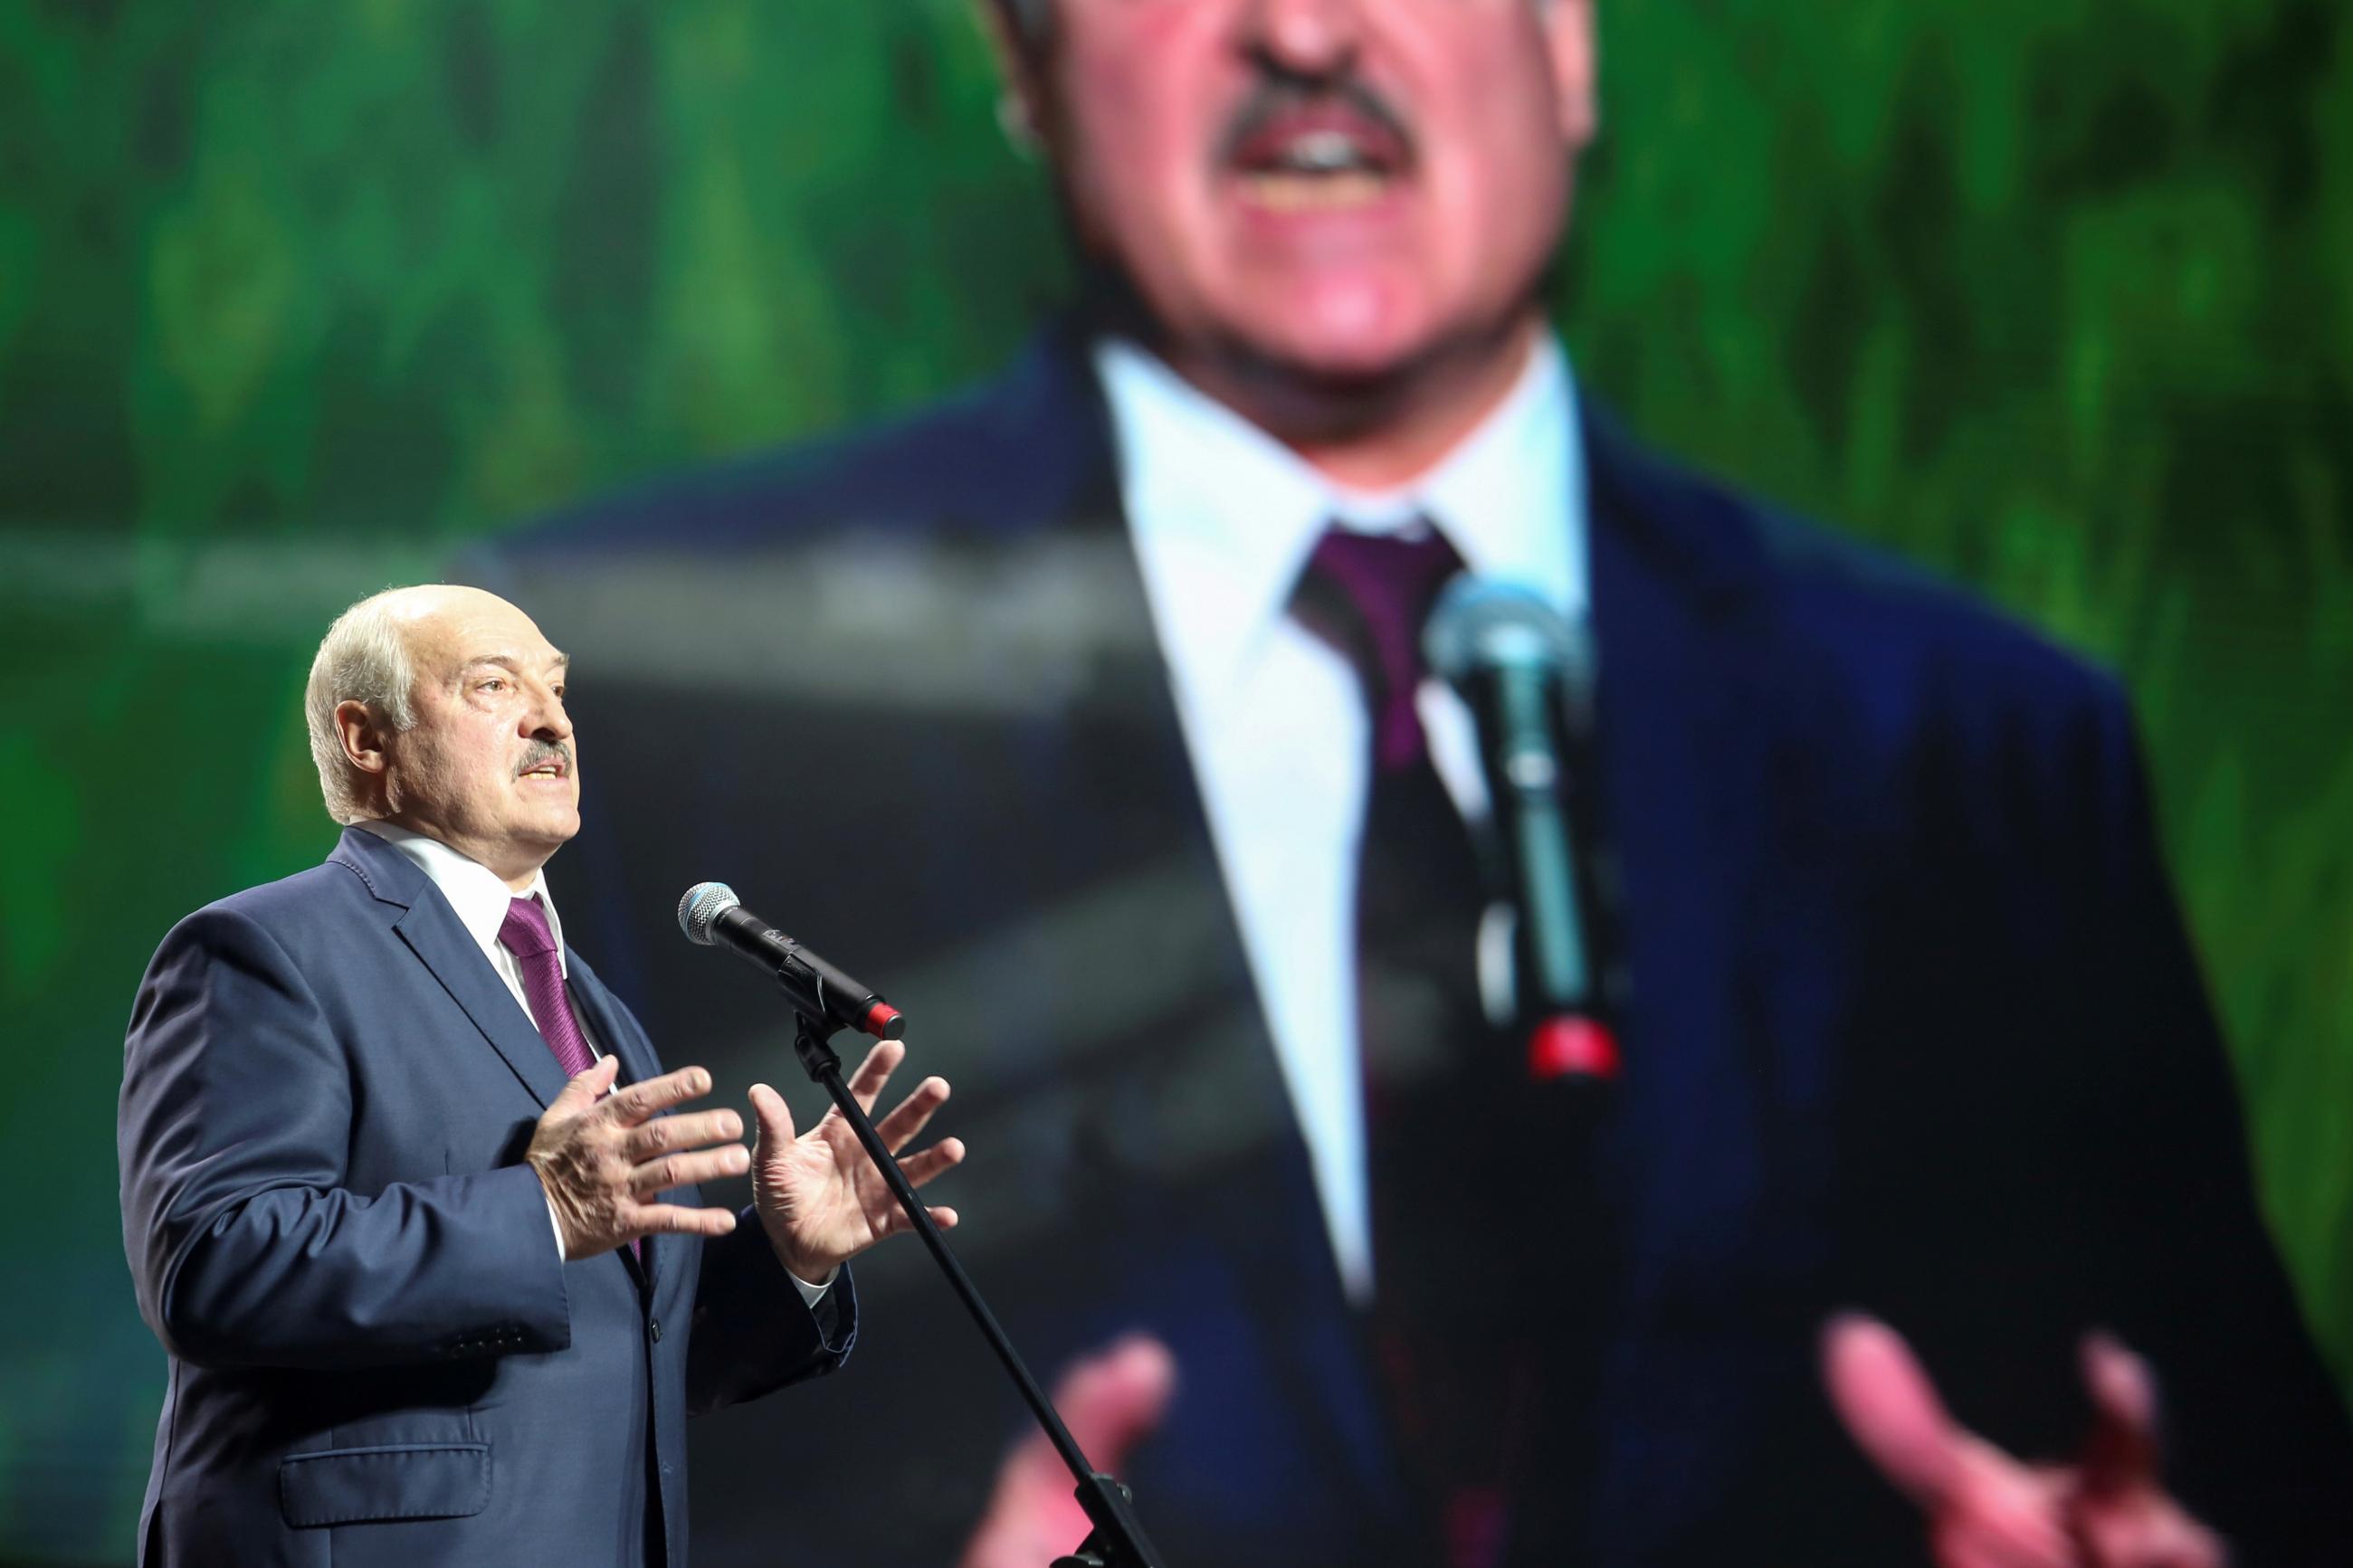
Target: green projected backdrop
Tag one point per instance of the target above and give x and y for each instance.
(2047, 294)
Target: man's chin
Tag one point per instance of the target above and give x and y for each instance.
(1339, 336)
(552, 830)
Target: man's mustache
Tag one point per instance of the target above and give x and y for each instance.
(1276, 95)
(539, 751)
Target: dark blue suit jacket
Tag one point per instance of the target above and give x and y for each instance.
(1912, 1022)
(375, 1356)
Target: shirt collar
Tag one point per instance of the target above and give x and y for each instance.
(1224, 516)
(478, 894)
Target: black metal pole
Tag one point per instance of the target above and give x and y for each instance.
(1118, 1540)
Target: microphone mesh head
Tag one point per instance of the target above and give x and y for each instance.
(1482, 624)
(702, 904)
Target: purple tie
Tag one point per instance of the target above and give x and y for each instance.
(1434, 1095)
(1368, 593)
(526, 935)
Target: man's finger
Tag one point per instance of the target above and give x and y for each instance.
(660, 1176)
(1112, 1400)
(772, 1120)
(584, 1089)
(912, 1114)
(634, 1104)
(659, 1219)
(941, 1156)
(661, 1134)
(2123, 1452)
(875, 1071)
(1890, 1409)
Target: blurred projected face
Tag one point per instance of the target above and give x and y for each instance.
(1335, 188)
(490, 766)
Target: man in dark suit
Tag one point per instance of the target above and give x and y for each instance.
(1910, 1028)
(384, 1202)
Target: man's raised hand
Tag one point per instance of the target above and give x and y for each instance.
(604, 1158)
(820, 1198)
(1985, 1509)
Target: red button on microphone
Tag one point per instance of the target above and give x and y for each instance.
(1571, 1047)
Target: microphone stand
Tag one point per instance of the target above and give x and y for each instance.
(1117, 1540)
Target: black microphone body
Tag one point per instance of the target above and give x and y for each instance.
(819, 990)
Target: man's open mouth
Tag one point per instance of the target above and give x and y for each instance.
(1317, 156)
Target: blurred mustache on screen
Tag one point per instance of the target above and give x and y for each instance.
(1276, 95)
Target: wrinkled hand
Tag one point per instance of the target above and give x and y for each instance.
(1985, 1509)
(820, 1198)
(1110, 1401)
(602, 1157)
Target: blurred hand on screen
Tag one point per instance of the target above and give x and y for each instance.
(1110, 1401)
(1987, 1510)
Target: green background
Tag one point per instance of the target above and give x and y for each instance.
(2047, 294)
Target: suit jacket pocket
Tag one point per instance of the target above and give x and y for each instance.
(397, 1480)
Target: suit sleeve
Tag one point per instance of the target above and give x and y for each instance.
(244, 1246)
(2257, 1438)
(753, 1333)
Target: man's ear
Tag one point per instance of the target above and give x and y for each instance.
(1569, 39)
(1019, 104)
(361, 736)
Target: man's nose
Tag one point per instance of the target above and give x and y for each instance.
(546, 715)
(1304, 37)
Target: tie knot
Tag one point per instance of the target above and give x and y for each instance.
(1368, 595)
(525, 933)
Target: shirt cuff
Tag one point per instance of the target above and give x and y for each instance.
(557, 1227)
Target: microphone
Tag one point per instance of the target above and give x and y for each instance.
(712, 916)
(1527, 675)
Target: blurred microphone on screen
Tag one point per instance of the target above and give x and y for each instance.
(1527, 673)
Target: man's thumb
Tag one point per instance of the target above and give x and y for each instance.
(1890, 1408)
(772, 1119)
(586, 1088)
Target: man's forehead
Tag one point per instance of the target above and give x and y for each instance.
(480, 629)
(506, 653)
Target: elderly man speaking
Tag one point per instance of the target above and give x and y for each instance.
(435, 1290)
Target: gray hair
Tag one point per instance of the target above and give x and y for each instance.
(364, 659)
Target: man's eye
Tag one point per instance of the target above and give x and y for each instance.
(493, 684)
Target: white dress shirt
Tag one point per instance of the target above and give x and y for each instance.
(479, 898)
(1223, 517)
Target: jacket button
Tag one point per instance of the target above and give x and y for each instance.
(654, 1328)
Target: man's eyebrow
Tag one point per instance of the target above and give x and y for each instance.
(508, 661)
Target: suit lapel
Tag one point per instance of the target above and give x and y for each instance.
(612, 1030)
(1681, 743)
(432, 931)
(1713, 1154)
